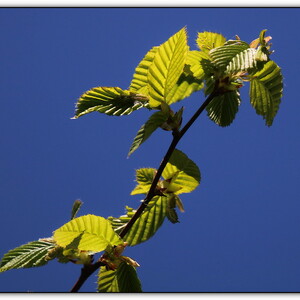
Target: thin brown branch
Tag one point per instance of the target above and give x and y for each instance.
(88, 270)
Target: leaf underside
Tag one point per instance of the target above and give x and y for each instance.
(29, 255)
(112, 101)
(266, 91)
(222, 109)
(122, 280)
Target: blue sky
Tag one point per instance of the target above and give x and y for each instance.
(240, 231)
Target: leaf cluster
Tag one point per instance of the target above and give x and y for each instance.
(167, 74)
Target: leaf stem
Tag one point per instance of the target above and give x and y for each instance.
(88, 270)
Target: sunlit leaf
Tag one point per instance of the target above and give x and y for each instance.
(146, 225)
(139, 83)
(266, 88)
(243, 61)
(29, 255)
(88, 233)
(181, 173)
(207, 41)
(223, 108)
(154, 122)
(223, 56)
(194, 59)
(122, 280)
(112, 101)
(166, 68)
(144, 178)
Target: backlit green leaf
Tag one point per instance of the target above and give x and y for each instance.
(29, 255)
(139, 83)
(144, 178)
(194, 59)
(122, 280)
(222, 109)
(112, 101)
(181, 173)
(88, 233)
(166, 68)
(207, 41)
(266, 88)
(146, 225)
(154, 122)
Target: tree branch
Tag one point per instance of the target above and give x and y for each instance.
(88, 270)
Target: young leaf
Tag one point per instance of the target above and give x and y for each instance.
(207, 41)
(223, 108)
(122, 280)
(184, 87)
(266, 91)
(112, 101)
(139, 83)
(243, 61)
(155, 121)
(181, 174)
(144, 178)
(88, 233)
(166, 68)
(76, 206)
(147, 224)
(194, 59)
(223, 56)
(29, 255)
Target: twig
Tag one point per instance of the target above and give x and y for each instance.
(88, 270)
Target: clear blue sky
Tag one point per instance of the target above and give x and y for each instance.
(241, 228)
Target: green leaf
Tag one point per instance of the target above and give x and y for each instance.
(76, 206)
(226, 55)
(88, 233)
(222, 109)
(243, 61)
(154, 122)
(29, 255)
(194, 59)
(184, 87)
(266, 88)
(207, 41)
(122, 280)
(181, 174)
(139, 83)
(166, 68)
(144, 178)
(146, 225)
(112, 101)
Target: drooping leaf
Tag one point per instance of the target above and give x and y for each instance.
(147, 224)
(76, 206)
(154, 122)
(166, 68)
(122, 280)
(181, 174)
(112, 101)
(144, 178)
(172, 215)
(223, 108)
(29, 255)
(266, 88)
(88, 233)
(139, 83)
(207, 41)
